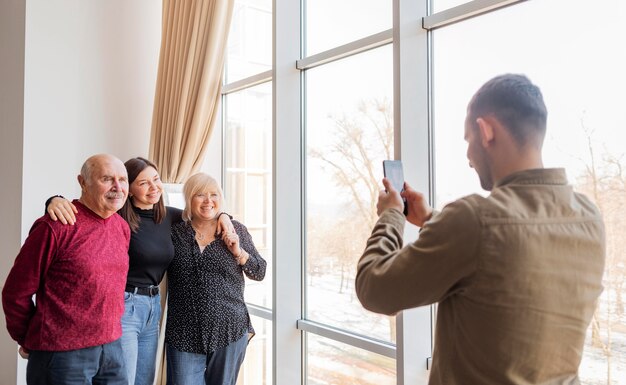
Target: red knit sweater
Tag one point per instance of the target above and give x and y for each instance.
(78, 274)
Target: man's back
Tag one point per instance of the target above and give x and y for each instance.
(521, 316)
(516, 275)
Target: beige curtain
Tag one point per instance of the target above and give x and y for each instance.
(193, 46)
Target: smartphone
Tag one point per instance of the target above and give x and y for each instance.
(392, 170)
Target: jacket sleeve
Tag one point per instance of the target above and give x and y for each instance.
(391, 278)
(25, 278)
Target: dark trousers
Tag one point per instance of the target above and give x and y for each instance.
(102, 364)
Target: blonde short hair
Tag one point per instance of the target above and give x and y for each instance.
(198, 183)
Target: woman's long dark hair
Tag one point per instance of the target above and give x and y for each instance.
(135, 166)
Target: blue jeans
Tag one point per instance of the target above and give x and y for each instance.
(102, 364)
(140, 336)
(220, 367)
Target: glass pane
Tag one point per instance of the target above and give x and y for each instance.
(257, 366)
(248, 176)
(330, 23)
(349, 131)
(580, 68)
(331, 362)
(249, 40)
(442, 5)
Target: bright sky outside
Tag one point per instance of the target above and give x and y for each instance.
(571, 55)
(572, 58)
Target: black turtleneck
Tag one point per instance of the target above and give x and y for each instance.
(151, 249)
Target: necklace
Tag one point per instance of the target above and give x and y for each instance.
(204, 236)
(199, 235)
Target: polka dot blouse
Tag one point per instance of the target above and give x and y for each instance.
(206, 309)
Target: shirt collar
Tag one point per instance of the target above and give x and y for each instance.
(554, 176)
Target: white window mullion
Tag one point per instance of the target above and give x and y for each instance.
(288, 193)
(412, 145)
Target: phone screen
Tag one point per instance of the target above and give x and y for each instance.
(392, 170)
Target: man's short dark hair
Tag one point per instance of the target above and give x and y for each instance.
(516, 103)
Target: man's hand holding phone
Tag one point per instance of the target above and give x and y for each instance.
(413, 203)
(418, 210)
(389, 199)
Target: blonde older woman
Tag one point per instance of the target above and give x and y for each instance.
(208, 325)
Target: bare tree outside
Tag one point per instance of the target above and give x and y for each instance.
(354, 158)
(353, 155)
(604, 182)
(360, 143)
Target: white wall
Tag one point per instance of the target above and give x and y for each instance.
(78, 78)
(90, 74)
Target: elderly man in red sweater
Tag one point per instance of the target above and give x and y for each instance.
(70, 331)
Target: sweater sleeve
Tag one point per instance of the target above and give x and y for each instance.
(25, 278)
(391, 278)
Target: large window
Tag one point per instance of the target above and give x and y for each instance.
(317, 93)
(579, 65)
(247, 149)
(349, 131)
(248, 185)
(348, 109)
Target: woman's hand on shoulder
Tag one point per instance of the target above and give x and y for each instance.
(232, 241)
(62, 210)
(224, 224)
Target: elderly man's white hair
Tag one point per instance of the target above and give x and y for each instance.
(86, 170)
